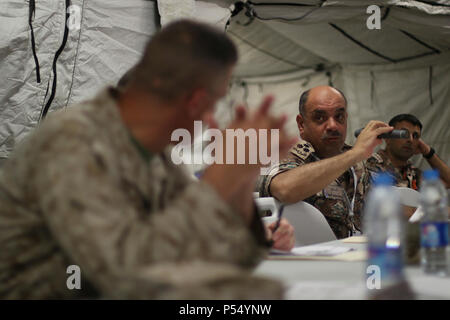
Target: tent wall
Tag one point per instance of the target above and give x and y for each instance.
(273, 52)
(109, 41)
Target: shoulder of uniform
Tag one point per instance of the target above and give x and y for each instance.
(303, 149)
(375, 158)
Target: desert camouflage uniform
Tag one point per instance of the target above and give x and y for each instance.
(335, 200)
(79, 192)
(408, 176)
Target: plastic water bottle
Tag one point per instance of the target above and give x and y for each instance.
(383, 226)
(434, 236)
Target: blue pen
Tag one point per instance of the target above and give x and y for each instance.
(279, 219)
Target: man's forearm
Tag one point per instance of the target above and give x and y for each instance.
(302, 182)
(436, 163)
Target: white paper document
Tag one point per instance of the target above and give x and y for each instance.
(313, 251)
(320, 250)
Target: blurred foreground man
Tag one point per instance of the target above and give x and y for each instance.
(91, 204)
(395, 157)
(321, 169)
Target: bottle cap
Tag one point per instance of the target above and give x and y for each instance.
(431, 174)
(383, 179)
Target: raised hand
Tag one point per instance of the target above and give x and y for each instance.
(232, 179)
(368, 139)
(283, 238)
(422, 148)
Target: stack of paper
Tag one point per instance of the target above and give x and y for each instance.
(319, 250)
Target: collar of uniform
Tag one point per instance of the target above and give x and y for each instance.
(384, 159)
(106, 103)
(112, 94)
(143, 151)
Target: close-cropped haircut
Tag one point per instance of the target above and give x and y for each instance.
(304, 98)
(405, 117)
(182, 56)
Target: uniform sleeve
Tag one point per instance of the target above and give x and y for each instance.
(100, 230)
(283, 166)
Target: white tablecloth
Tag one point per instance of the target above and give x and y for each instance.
(312, 279)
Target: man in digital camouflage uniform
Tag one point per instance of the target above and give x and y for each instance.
(94, 186)
(321, 169)
(395, 157)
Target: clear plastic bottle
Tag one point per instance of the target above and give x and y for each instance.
(434, 238)
(383, 226)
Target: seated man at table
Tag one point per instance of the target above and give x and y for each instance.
(321, 169)
(395, 157)
(91, 204)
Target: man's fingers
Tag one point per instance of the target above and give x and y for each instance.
(265, 106)
(280, 122)
(376, 124)
(211, 122)
(284, 236)
(381, 130)
(241, 113)
(284, 230)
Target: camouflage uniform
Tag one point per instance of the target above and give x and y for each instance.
(79, 192)
(335, 200)
(408, 176)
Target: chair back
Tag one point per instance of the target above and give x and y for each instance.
(408, 197)
(309, 224)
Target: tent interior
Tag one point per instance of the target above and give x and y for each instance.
(285, 47)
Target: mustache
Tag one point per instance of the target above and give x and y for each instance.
(331, 134)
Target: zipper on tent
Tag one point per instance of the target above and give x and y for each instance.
(31, 14)
(386, 13)
(360, 43)
(372, 89)
(58, 53)
(330, 80)
(426, 45)
(46, 94)
(292, 63)
(430, 84)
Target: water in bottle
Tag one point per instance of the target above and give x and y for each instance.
(434, 236)
(383, 226)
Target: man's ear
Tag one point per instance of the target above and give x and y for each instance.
(195, 101)
(300, 124)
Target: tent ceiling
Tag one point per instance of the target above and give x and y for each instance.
(276, 37)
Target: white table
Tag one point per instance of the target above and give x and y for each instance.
(313, 279)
